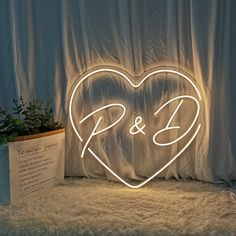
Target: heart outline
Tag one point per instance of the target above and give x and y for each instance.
(126, 76)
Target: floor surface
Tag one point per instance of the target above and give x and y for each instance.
(100, 207)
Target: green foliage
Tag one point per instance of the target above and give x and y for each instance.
(36, 117)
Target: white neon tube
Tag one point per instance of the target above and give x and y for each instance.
(176, 127)
(137, 121)
(102, 108)
(154, 175)
(116, 71)
(139, 129)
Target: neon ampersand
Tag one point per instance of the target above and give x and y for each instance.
(137, 121)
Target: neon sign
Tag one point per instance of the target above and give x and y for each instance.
(139, 126)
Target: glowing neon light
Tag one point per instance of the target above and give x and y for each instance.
(176, 127)
(154, 175)
(99, 121)
(138, 119)
(90, 137)
(102, 108)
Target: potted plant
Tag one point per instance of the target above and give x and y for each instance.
(31, 150)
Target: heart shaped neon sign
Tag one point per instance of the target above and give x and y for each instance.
(138, 127)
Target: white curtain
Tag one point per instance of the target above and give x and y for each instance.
(46, 45)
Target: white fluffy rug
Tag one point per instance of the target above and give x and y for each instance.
(99, 207)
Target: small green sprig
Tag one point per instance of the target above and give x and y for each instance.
(33, 118)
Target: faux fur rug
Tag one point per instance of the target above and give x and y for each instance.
(99, 207)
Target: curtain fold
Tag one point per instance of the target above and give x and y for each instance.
(45, 46)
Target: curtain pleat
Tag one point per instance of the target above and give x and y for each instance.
(45, 46)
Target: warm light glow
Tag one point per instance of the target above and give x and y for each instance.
(176, 127)
(154, 175)
(102, 108)
(137, 127)
(137, 121)
(94, 132)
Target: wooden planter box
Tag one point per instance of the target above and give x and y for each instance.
(31, 164)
